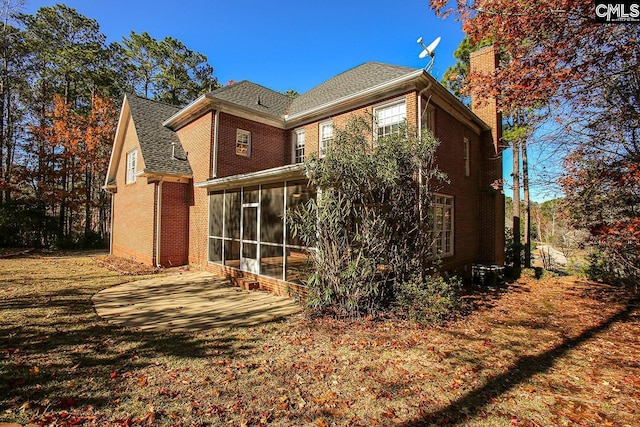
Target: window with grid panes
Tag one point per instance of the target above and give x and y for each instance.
(326, 136)
(243, 143)
(388, 118)
(298, 153)
(132, 164)
(443, 224)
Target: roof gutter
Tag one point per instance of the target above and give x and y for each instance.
(159, 222)
(267, 176)
(381, 87)
(192, 108)
(151, 173)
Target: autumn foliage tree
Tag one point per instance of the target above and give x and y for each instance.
(78, 146)
(58, 81)
(587, 76)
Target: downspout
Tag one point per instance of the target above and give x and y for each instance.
(159, 224)
(111, 214)
(215, 144)
(420, 183)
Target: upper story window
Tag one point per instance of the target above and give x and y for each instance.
(429, 118)
(443, 224)
(467, 160)
(243, 143)
(298, 146)
(325, 137)
(132, 165)
(388, 118)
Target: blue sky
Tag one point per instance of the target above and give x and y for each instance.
(287, 44)
(282, 44)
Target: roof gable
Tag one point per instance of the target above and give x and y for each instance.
(254, 97)
(157, 141)
(351, 82)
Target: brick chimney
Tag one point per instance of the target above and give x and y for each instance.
(485, 61)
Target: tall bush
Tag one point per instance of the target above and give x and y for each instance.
(371, 224)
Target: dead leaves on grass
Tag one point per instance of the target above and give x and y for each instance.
(326, 372)
(125, 266)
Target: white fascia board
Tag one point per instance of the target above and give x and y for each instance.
(260, 177)
(451, 104)
(118, 140)
(363, 93)
(192, 108)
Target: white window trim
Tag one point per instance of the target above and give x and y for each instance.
(131, 169)
(429, 119)
(241, 132)
(382, 107)
(296, 135)
(467, 157)
(453, 223)
(322, 149)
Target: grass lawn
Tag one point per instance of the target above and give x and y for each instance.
(538, 353)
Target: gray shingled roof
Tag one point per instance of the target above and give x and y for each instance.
(254, 97)
(350, 82)
(155, 140)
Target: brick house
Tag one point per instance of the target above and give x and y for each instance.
(208, 184)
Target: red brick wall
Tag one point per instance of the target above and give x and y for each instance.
(278, 287)
(485, 61)
(468, 210)
(133, 208)
(312, 130)
(174, 223)
(197, 140)
(268, 147)
(465, 189)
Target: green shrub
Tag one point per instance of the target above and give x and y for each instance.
(602, 268)
(371, 226)
(428, 301)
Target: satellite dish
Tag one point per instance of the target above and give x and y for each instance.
(429, 51)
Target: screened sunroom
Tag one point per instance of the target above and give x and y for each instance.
(248, 228)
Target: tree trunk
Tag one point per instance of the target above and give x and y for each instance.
(3, 96)
(517, 261)
(527, 205)
(87, 204)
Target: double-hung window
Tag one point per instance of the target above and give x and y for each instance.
(388, 118)
(298, 146)
(132, 164)
(428, 119)
(243, 143)
(443, 224)
(326, 136)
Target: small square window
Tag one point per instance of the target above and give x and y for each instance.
(243, 143)
(132, 164)
(326, 136)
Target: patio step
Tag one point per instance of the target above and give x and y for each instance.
(246, 284)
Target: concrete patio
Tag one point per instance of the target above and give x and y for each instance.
(189, 301)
